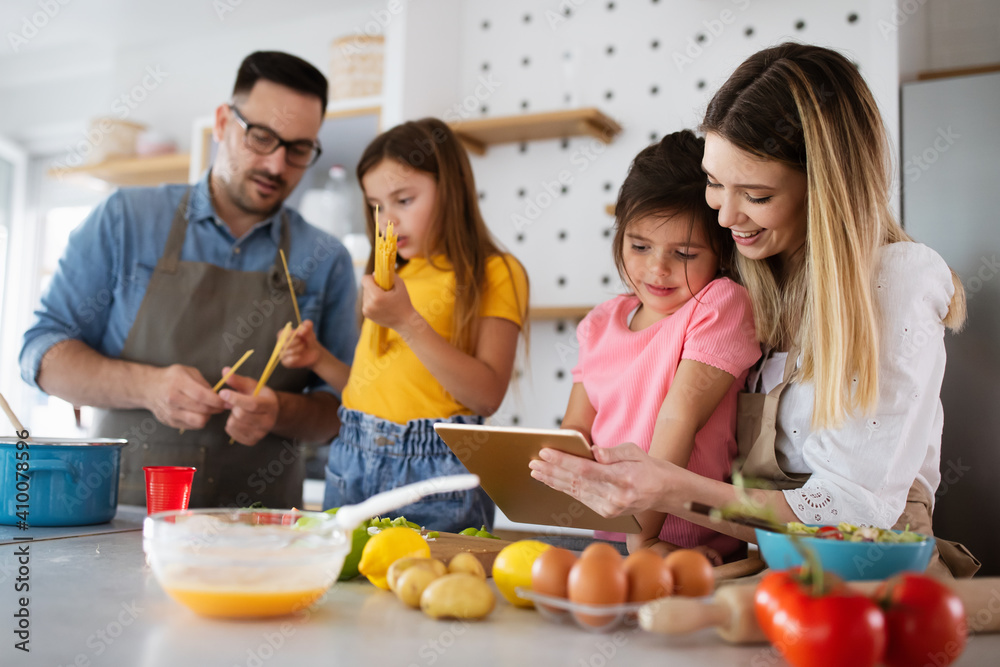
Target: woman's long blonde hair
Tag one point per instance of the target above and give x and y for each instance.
(808, 107)
(458, 232)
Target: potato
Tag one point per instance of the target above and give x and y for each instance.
(466, 562)
(403, 564)
(411, 583)
(459, 595)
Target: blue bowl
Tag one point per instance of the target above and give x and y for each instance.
(852, 561)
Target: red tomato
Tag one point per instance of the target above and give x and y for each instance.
(830, 533)
(925, 621)
(837, 628)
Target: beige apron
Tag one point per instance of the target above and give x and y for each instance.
(756, 431)
(201, 315)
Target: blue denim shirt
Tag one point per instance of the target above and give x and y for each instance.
(95, 293)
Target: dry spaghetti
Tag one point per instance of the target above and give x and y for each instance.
(385, 272)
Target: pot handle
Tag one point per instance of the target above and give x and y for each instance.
(52, 465)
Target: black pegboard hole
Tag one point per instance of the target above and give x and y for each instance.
(611, 6)
(524, 104)
(654, 90)
(560, 374)
(519, 238)
(607, 186)
(748, 31)
(560, 326)
(562, 235)
(700, 38)
(609, 95)
(484, 109)
(559, 419)
(482, 195)
(564, 144)
(701, 84)
(605, 280)
(486, 67)
(800, 25)
(527, 18)
(522, 147)
(561, 281)
(610, 50)
(607, 233)
(515, 420)
(564, 189)
(486, 25)
(525, 61)
(654, 137)
(521, 192)
(852, 17)
(655, 44)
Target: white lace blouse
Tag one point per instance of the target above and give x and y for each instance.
(862, 471)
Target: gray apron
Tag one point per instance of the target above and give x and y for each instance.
(205, 316)
(756, 431)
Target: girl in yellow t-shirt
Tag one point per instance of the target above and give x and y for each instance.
(453, 315)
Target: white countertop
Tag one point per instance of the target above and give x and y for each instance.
(93, 601)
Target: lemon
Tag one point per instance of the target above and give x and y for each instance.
(512, 569)
(388, 546)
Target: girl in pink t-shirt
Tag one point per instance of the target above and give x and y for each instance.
(661, 365)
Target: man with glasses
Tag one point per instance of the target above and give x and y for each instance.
(161, 288)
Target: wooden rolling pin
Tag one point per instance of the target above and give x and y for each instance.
(731, 610)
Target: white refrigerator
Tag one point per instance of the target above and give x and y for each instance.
(951, 201)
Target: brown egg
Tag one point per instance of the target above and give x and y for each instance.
(692, 571)
(648, 576)
(550, 575)
(597, 578)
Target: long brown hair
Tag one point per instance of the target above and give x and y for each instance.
(665, 180)
(809, 108)
(458, 231)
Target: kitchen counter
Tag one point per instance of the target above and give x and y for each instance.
(93, 601)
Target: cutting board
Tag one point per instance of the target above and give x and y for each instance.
(485, 549)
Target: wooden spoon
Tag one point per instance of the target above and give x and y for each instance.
(18, 426)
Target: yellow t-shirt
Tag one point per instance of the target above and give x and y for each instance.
(396, 386)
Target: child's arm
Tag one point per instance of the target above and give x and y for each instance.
(477, 381)
(580, 413)
(304, 351)
(695, 393)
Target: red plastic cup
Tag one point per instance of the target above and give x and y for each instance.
(168, 488)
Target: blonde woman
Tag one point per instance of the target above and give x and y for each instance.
(843, 415)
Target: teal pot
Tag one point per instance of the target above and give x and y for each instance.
(58, 482)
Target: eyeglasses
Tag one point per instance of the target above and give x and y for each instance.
(263, 140)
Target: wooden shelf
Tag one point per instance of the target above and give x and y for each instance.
(559, 312)
(131, 171)
(962, 71)
(478, 134)
(357, 106)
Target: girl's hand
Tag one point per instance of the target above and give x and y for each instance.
(623, 480)
(303, 351)
(390, 308)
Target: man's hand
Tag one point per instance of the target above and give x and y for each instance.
(252, 417)
(179, 396)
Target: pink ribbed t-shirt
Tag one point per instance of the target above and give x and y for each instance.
(627, 375)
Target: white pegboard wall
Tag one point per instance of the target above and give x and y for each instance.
(652, 66)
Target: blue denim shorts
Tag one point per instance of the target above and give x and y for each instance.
(371, 455)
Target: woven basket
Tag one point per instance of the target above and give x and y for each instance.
(112, 138)
(356, 66)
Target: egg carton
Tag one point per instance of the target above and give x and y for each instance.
(600, 617)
